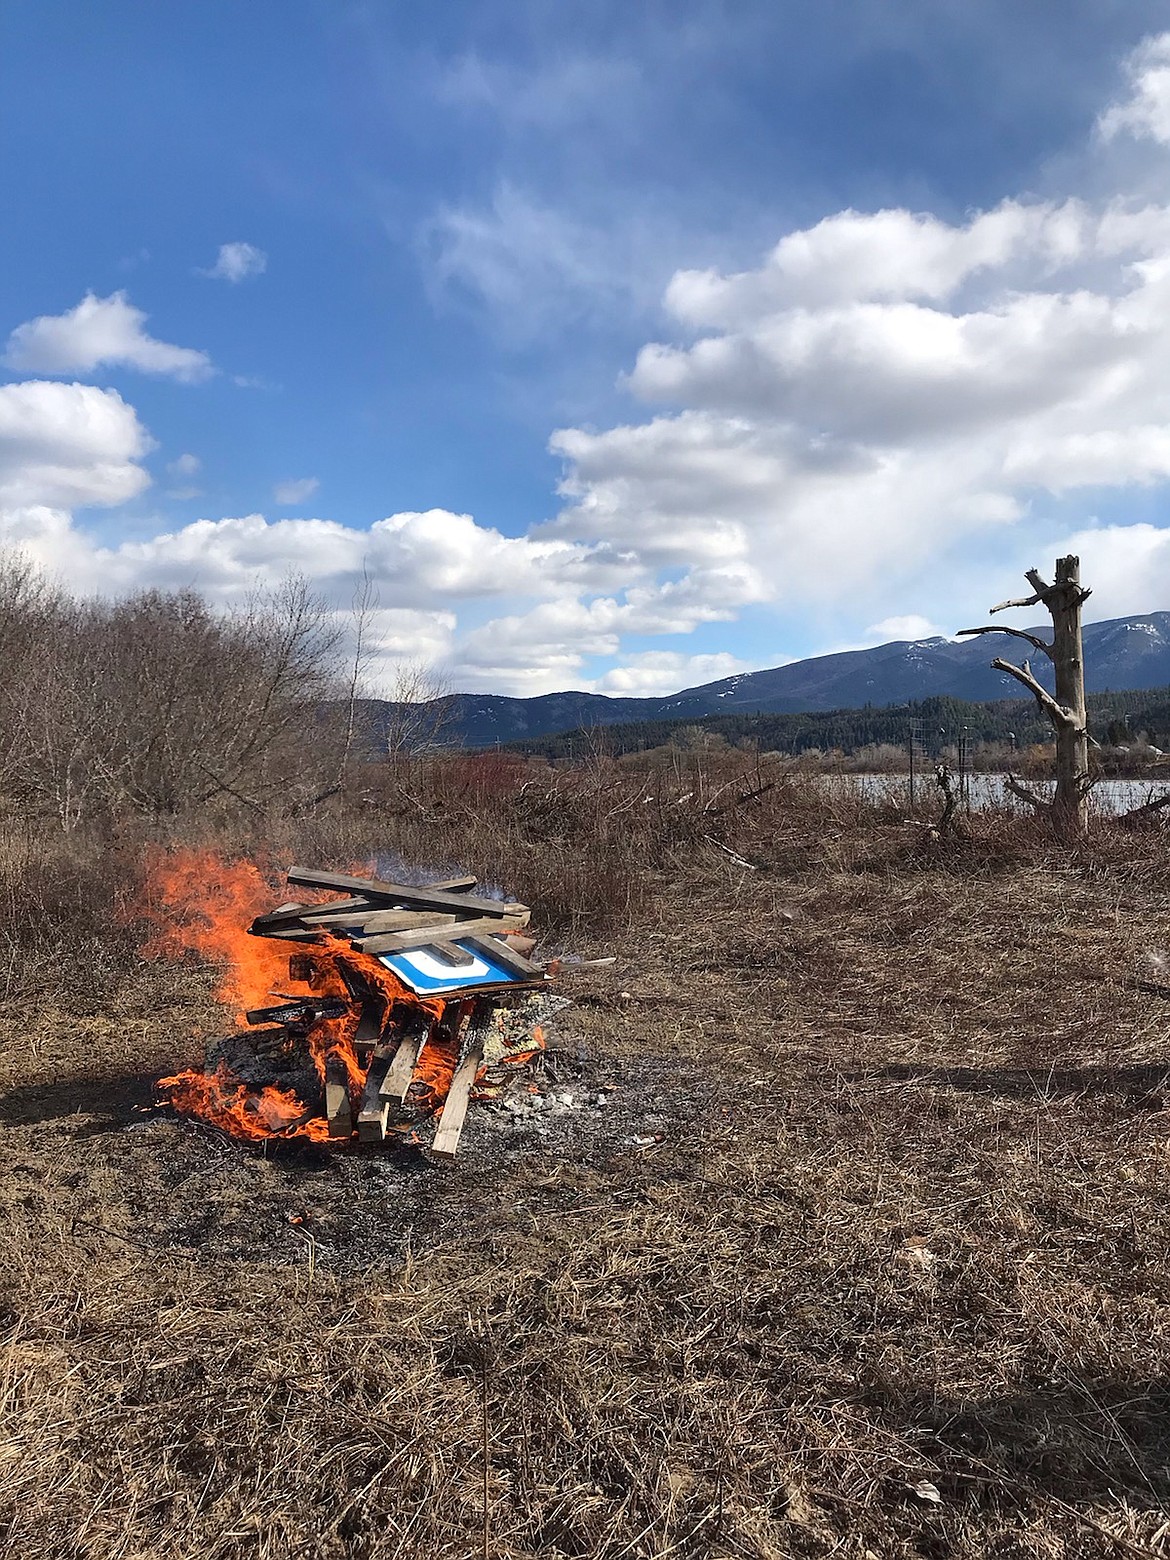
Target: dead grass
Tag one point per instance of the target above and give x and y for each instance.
(906, 1223)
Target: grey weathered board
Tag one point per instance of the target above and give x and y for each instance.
(391, 942)
(370, 921)
(450, 1127)
(398, 893)
(501, 951)
(338, 1111)
(398, 1079)
(375, 1107)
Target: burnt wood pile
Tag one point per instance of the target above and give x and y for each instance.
(417, 995)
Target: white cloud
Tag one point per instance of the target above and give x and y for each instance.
(182, 470)
(1145, 113)
(522, 258)
(236, 262)
(1127, 567)
(655, 672)
(99, 333)
(856, 256)
(892, 629)
(295, 491)
(882, 391)
(68, 446)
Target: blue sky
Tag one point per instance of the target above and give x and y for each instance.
(623, 346)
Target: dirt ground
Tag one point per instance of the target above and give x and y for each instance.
(861, 1252)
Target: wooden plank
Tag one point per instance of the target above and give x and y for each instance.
(285, 934)
(501, 951)
(455, 885)
(370, 921)
(394, 942)
(375, 1109)
(400, 893)
(458, 1095)
(330, 907)
(297, 915)
(338, 1111)
(451, 953)
(398, 1079)
(281, 916)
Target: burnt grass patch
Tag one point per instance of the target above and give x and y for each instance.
(859, 1200)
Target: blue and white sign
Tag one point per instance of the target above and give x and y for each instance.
(425, 972)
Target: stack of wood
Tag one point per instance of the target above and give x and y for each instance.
(461, 963)
(383, 918)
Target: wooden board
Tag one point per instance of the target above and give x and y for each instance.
(282, 915)
(455, 885)
(499, 950)
(370, 921)
(401, 1071)
(400, 893)
(338, 1110)
(451, 953)
(375, 1108)
(458, 1095)
(394, 942)
(357, 905)
(293, 914)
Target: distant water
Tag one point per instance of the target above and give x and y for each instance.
(1107, 797)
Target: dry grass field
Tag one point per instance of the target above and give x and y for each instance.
(865, 1255)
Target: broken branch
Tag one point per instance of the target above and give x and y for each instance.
(1040, 803)
(1016, 633)
(1056, 713)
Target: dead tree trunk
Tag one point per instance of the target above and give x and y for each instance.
(1063, 599)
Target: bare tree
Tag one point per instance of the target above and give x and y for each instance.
(158, 704)
(1066, 711)
(366, 601)
(418, 711)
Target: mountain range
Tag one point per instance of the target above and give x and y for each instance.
(1123, 653)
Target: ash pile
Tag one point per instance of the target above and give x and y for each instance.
(400, 1006)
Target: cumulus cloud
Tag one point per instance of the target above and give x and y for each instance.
(892, 629)
(884, 390)
(424, 566)
(296, 490)
(68, 446)
(184, 466)
(100, 333)
(236, 262)
(655, 672)
(1145, 111)
(1127, 566)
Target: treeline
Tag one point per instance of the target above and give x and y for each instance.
(1116, 718)
(157, 704)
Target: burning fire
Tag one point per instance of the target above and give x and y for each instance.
(201, 903)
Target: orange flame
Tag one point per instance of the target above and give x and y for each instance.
(200, 903)
(227, 1103)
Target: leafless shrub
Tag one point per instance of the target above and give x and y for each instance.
(158, 705)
